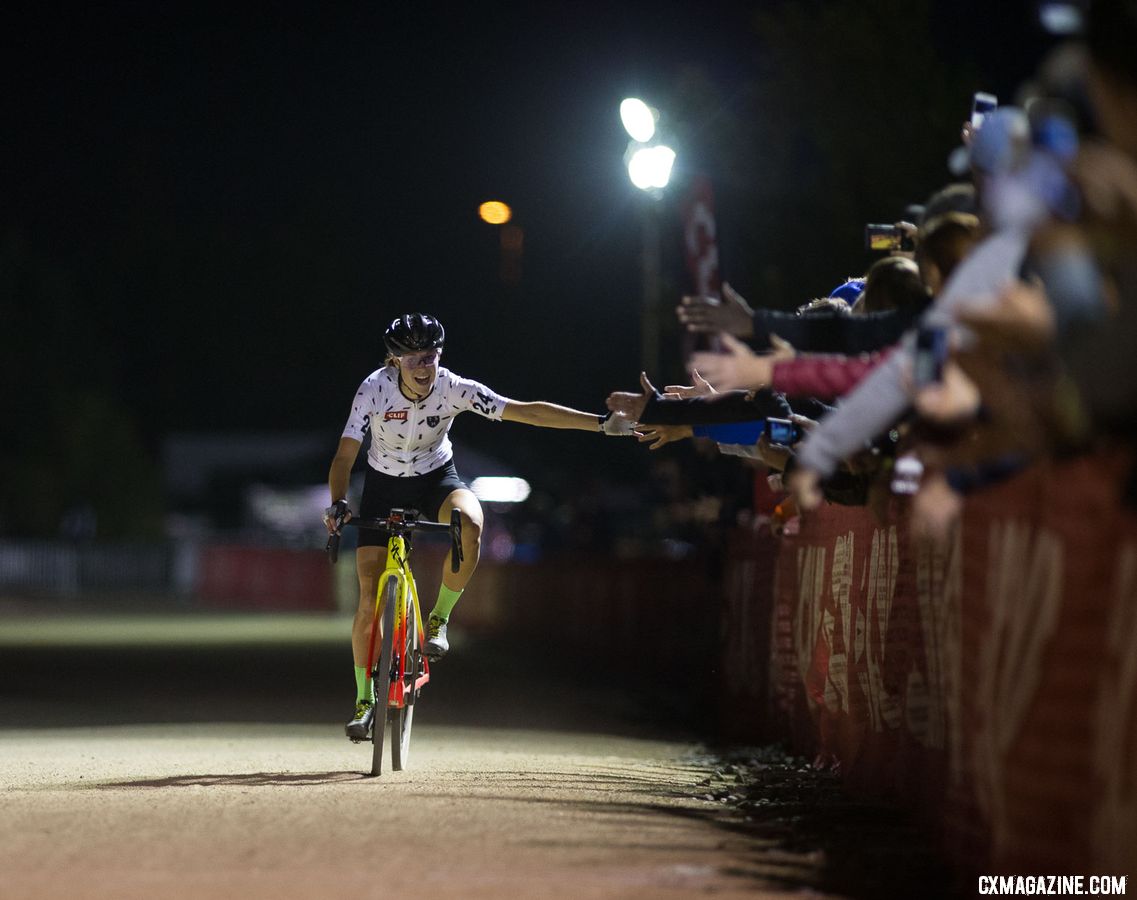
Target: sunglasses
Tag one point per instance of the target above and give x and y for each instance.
(421, 360)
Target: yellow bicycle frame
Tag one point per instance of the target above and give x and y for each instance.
(399, 569)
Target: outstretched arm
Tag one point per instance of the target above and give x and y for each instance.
(550, 415)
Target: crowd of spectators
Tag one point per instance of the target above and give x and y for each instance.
(1000, 331)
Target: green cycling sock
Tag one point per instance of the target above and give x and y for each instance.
(445, 603)
(364, 689)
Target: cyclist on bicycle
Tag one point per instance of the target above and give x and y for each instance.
(408, 406)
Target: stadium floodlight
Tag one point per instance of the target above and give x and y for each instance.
(650, 167)
(495, 489)
(638, 119)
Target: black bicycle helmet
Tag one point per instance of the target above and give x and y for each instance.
(413, 332)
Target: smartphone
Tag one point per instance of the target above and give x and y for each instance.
(981, 106)
(931, 354)
(887, 237)
(783, 432)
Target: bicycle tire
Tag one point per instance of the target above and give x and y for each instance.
(381, 675)
(401, 717)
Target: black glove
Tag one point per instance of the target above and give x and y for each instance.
(339, 512)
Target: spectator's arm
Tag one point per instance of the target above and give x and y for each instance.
(872, 408)
(731, 406)
(831, 332)
(824, 376)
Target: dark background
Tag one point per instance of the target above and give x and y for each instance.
(210, 211)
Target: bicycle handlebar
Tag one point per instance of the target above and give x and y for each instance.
(393, 525)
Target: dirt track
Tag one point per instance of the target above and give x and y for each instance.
(282, 811)
(205, 758)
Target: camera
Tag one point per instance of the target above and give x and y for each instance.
(981, 106)
(782, 432)
(887, 237)
(931, 354)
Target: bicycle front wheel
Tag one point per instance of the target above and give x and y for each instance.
(381, 675)
(402, 716)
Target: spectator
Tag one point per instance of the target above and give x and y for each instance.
(997, 149)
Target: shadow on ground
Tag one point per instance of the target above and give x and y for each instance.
(488, 682)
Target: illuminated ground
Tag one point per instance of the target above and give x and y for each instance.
(203, 756)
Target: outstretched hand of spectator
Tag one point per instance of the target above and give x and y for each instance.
(739, 366)
(804, 486)
(701, 388)
(629, 404)
(704, 315)
(936, 509)
(1021, 318)
(662, 434)
(953, 400)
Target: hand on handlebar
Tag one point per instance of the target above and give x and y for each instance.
(336, 516)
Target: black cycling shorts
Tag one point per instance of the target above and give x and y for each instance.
(426, 493)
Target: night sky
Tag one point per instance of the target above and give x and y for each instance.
(241, 197)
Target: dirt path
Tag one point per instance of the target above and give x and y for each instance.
(205, 810)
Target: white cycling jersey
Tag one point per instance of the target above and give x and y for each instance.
(411, 437)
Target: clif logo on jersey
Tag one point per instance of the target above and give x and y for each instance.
(398, 415)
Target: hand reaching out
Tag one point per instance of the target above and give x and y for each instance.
(738, 367)
(707, 315)
(1022, 318)
(662, 434)
(952, 400)
(631, 405)
(617, 424)
(936, 509)
(804, 486)
(700, 388)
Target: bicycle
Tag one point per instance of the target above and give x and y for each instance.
(401, 658)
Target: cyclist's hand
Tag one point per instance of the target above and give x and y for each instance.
(336, 515)
(617, 424)
(662, 434)
(631, 405)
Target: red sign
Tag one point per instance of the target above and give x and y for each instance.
(699, 237)
(399, 415)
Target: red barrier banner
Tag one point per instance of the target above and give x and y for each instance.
(264, 578)
(992, 683)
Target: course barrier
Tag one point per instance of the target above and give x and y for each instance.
(244, 577)
(992, 684)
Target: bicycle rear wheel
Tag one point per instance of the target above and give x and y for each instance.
(381, 675)
(402, 716)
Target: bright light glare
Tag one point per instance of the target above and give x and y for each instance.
(500, 490)
(650, 167)
(1061, 18)
(495, 212)
(638, 119)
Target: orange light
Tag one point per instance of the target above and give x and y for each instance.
(495, 213)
